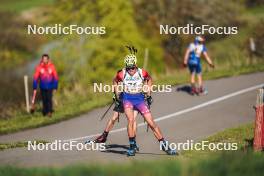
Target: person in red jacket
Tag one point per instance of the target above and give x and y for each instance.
(47, 78)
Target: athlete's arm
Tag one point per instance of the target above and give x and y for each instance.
(148, 80)
(208, 59)
(118, 78)
(186, 56)
(115, 88)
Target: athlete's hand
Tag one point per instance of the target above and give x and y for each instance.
(116, 100)
(184, 65)
(212, 65)
(114, 97)
(149, 100)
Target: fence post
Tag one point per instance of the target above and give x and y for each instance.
(259, 123)
(26, 92)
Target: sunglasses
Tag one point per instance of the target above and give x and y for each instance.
(130, 68)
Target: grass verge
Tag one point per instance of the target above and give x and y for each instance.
(4, 146)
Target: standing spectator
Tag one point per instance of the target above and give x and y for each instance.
(47, 78)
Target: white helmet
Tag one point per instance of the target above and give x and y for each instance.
(199, 39)
(130, 60)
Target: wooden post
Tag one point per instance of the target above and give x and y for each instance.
(146, 58)
(26, 92)
(259, 123)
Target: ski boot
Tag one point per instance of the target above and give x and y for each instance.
(133, 148)
(100, 139)
(169, 151)
(131, 151)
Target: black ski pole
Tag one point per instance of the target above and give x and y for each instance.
(103, 116)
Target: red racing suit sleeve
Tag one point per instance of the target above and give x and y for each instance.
(145, 75)
(119, 76)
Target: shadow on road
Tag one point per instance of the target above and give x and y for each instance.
(115, 148)
(185, 88)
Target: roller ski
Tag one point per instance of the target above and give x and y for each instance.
(193, 91)
(202, 91)
(198, 91)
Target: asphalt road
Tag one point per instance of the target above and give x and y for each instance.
(180, 116)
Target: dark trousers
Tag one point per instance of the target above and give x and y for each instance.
(46, 101)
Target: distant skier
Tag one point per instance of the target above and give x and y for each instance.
(192, 60)
(47, 78)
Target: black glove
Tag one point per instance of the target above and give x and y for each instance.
(149, 100)
(116, 100)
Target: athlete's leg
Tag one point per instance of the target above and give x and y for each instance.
(103, 137)
(130, 130)
(111, 122)
(193, 78)
(200, 80)
(135, 122)
(131, 120)
(192, 70)
(156, 130)
(144, 110)
(193, 87)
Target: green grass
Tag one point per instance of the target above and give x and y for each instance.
(241, 162)
(242, 135)
(4, 146)
(20, 5)
(23, 120)
(226, 164)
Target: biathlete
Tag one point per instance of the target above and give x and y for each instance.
(193, 61)
(132, 79)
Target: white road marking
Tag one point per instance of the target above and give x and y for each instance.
(180, 112)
